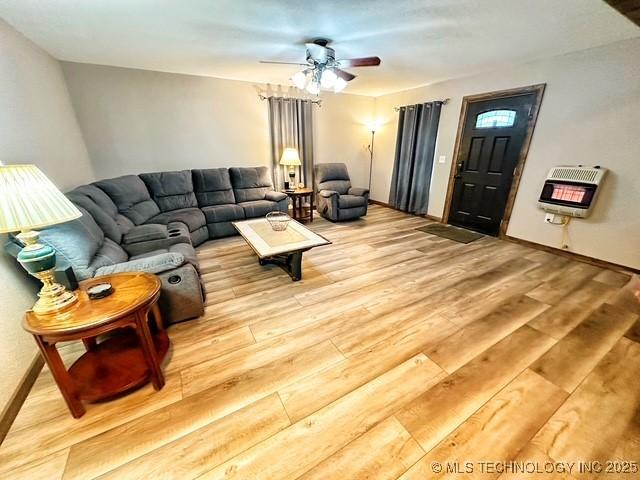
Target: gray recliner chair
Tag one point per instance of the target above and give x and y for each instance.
(336, 199)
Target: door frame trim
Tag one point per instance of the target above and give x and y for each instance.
(538, 89)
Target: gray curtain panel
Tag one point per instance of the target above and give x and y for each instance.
(415, 149)
(291, 126)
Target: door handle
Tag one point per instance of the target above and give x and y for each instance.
(459, 168)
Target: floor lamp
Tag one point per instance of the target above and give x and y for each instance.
(372, 129)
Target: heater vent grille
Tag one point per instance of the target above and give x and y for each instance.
(575, 173)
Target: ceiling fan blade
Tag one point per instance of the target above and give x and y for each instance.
(283, 63)
(317, 52)
(360, 62)
(346, 76)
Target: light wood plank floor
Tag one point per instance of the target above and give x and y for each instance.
(397, 350)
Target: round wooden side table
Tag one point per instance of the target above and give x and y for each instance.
(297, 196)
(127, 359)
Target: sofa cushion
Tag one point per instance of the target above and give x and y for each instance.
(102, 209)
(221, 229)
(275, 196)
(250, 184)
(77, 242)
(358, 191)
(258, 208)
(213, 187)
(223, 213)
(328, 193)
(151, 264)
(99, 198)
(340, 186)
(131, 196)
(199, 236)
(106, 222)
(171, 190)
(332, 176)
(184, 249)
(350, 201)
(109, 254)
(145, 233)
(193, 218)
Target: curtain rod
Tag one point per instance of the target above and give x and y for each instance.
(443, 102)
(317, 102)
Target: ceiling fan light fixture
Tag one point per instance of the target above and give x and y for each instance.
(323, 71)
(328, 79)
(339, 85)
(300, 79)
(313, 88)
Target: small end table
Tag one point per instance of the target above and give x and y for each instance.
(297, 197)
(124, 361)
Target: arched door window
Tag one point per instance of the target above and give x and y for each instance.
(496, 118)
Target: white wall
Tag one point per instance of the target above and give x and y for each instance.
(342, 134)
(140, 121)
(590, 115)
(38, 126)
(137, 121)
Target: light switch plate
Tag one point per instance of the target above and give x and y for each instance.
(442, 159)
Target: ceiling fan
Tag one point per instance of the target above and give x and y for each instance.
(322, 70)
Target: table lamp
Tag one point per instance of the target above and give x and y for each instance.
(291, 159)
(29, 200)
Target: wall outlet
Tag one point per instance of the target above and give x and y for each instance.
(442, 159)
(555, 219)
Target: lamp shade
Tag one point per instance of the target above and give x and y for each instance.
(29, 200)
(290, 157)
(373, 127)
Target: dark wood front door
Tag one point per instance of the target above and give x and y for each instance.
(492, 139)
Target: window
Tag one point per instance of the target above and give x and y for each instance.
(496, 118)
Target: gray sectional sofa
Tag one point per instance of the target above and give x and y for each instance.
(152, 222)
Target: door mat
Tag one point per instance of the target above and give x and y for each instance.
(452, 233)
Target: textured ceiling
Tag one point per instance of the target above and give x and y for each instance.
(419, 41)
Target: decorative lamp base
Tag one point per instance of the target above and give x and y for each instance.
(292, 178)
(53, 297)
(40, 261)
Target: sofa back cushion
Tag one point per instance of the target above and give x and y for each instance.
(332, 176)
(131, 196)
(103, 210)
(171, 190)
(213, 187)
(109, 254)
(250, 184)
(77, 242)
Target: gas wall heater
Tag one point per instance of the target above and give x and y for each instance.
(571, 190)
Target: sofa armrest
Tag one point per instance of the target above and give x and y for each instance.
(145, 233)
(328, 193)
(357, 191)
(155, 264)
(182, 294)
(328, 204)
(149, 237)
(274, 196)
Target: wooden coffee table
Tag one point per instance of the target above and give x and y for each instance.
(280, 248)
(126, 360)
